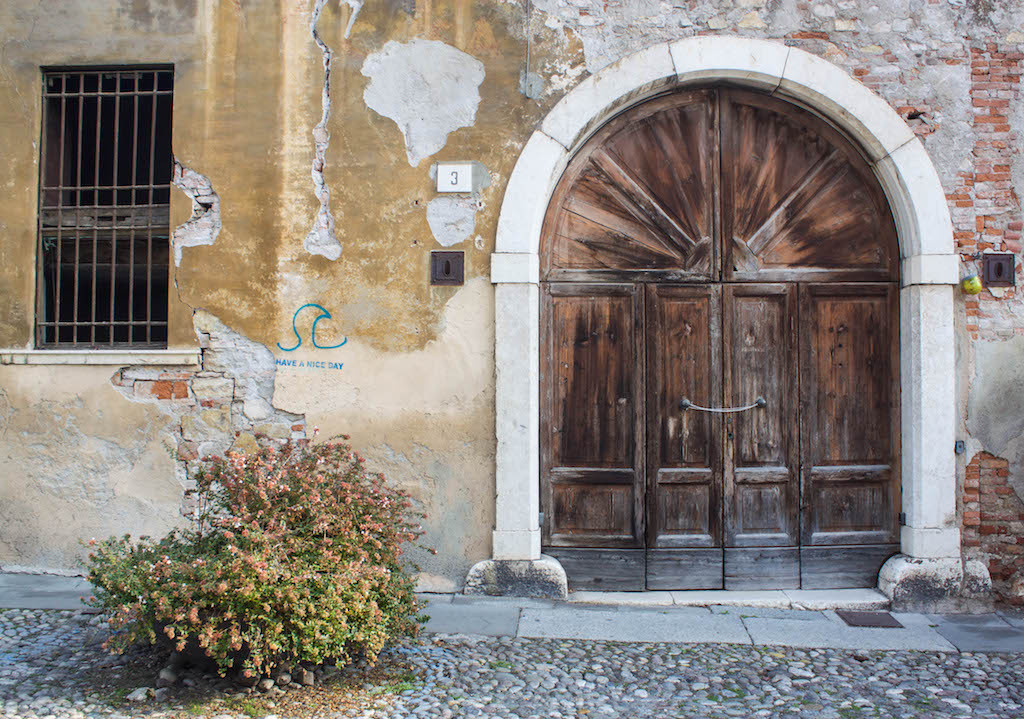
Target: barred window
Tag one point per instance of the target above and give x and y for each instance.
(104, 201)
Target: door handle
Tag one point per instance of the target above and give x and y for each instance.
(685, 404)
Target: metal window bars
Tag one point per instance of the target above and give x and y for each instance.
(104, 207)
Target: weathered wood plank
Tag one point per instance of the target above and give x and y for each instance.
(593, 458)
(684, 569)
(640, 194)
(843, 567)
(799, 202)
(762, 568)
(610, 570)
(850, 399)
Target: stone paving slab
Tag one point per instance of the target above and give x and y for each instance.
(829, 634)
(483, 600)
(433, 599)
(765, 613)
(767, 599)
(495, 620)
(623, 598)
(860, 599)
(638, 626)
(42, 591)
(1016, 619)
(812, 599)
(980, 633)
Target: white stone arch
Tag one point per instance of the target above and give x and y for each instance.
(930, 537)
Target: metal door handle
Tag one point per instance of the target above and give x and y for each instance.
(685, 404)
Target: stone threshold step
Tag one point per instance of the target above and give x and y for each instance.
(812, 599)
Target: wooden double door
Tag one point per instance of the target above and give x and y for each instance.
(793, 485)
(703, 251)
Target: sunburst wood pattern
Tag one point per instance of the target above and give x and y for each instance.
(719, 183)
(622, 206)
(796, 196)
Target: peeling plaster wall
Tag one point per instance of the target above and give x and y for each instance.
(994, 411)
(425, 417)
(203, 227)
(249, 92)
(281, 164)
(79, 460)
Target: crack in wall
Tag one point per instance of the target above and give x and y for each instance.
(204, 226)
(321, 239)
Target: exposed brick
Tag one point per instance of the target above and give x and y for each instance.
(993, 521)
(188, 451)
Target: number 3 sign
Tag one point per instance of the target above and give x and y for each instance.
(455, 177)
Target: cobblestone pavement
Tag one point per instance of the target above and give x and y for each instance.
(52, 665)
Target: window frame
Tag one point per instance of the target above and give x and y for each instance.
(48, 330)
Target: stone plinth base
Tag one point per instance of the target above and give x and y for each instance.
(936, 585)
(542, 577)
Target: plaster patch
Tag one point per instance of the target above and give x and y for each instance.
(1017, 121)
(203, 227)
(321, 239)
(451, 219)
(993, 405)
(531, 85)
(562, 75)
(951, 146)
(428, 88)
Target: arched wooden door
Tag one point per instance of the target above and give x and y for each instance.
(703, 251)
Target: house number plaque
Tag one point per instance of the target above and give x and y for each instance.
(455, 177)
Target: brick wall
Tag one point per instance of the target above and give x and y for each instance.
(986, 210)
(993, 523)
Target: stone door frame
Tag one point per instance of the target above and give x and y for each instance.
(929, 269)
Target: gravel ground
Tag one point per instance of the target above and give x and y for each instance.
(52, 665)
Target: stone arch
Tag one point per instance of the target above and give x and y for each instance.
(930, 537)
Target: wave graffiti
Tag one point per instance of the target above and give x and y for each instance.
(324, 315)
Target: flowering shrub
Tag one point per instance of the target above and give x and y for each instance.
(293, 556)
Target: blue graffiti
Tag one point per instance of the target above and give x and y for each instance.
(324, 314)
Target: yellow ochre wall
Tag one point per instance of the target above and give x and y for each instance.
(93, 450)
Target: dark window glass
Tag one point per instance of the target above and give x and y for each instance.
(104, 199)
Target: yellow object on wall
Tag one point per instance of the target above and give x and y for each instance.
(971, 284)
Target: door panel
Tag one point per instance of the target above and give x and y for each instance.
(761, 491)
(848, 371)
(762, 568)
(684, 460)
(593, 466)
(639, 200)
(761, 452)
(832, 567)
(684, 569)
(684, 492)
(607, 570)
